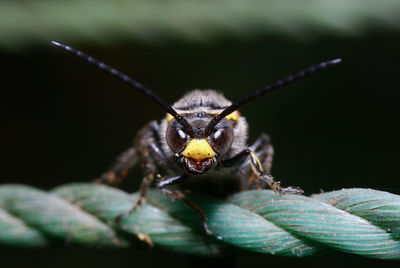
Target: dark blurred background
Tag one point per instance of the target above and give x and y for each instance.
(63, 121)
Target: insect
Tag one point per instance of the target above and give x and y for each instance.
(202, 133)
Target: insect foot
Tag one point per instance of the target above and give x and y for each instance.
(289, 190)
(276, 186)
(179, 195)
(138, 204)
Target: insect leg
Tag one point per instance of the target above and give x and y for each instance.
(179, 195)
(265, 152)
(259, 173)
(148, 137)
(120, 169)
(262, 147)
(237, 158)
(258, 161)
(149, 167)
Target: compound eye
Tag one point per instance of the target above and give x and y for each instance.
(222, 140)
(176, 138)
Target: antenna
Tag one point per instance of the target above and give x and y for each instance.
(269, 88)
(128, 80)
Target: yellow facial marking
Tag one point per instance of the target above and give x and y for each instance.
(198, 149)
(233, 116)
(169, 118)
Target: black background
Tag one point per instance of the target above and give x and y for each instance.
(63, 121)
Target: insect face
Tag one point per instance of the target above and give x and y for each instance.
(199, 153)
(199, 150)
